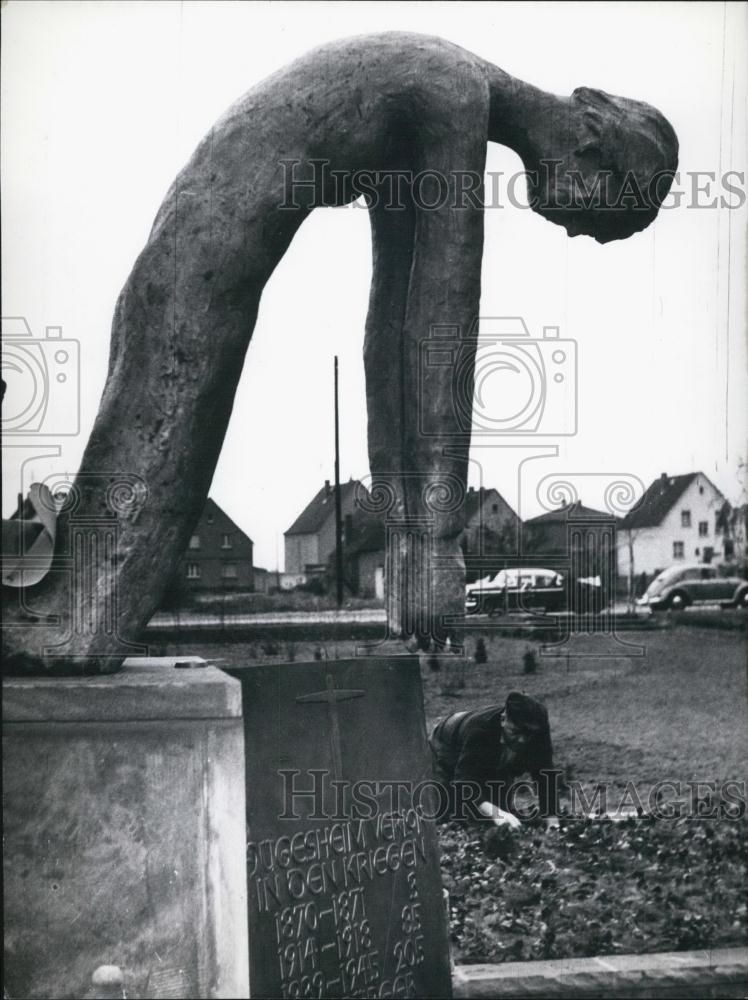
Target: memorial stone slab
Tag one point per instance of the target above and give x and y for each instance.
(344, 889)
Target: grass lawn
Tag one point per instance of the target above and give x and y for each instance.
(676, 713)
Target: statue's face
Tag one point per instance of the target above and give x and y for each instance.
(609, 167)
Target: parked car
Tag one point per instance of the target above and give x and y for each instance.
(679, 586)
(526, 588)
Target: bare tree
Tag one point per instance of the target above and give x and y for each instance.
(631, 536)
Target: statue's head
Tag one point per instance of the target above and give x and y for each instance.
(609, 168)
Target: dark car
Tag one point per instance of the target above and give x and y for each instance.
(679, 586)
(529, 589)
(516, 589)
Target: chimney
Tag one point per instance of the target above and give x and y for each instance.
(471, 489)
(327, 487)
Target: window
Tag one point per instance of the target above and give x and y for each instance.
(677, 550)
(228, 571)
(226, 542)
(193, 571)
(495, 508)
(685, 519)
(703, 529)
(195, 542)
(729, 548)
(701, 489)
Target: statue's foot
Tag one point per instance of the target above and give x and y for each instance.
(37, 643)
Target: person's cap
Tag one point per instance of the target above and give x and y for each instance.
(526, 712)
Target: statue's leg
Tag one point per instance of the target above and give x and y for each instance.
(180, 332)
(427, 265)
(393, 240)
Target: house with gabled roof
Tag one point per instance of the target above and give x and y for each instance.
(365, 539)
(678, 519)
(491, 530)
(218, 556)
(491, 525)
(310, 541)
(576, 537)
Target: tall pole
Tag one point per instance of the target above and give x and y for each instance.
(338, 511)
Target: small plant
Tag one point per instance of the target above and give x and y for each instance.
(318, 654)
(291, 648)
(269, 647)
(499, 842)
(529, 661)
(480, 655)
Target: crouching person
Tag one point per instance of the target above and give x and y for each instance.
(478, 757)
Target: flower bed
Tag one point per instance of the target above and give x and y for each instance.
(594, 888)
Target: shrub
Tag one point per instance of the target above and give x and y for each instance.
(529, 661)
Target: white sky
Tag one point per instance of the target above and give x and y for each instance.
(102, 103)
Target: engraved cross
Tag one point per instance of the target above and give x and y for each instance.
(332, 695)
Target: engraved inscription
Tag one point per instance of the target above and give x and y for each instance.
(313, 887)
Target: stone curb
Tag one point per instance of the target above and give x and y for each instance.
(721, 972)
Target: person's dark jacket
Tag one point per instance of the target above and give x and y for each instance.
(469, 747)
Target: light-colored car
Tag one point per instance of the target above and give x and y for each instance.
(679, 586)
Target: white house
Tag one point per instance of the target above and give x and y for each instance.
(310, 541)
(676, 520)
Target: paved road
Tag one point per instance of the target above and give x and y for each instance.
(165, 619)
(365, 616)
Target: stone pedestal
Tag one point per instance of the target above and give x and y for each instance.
(124, 814)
